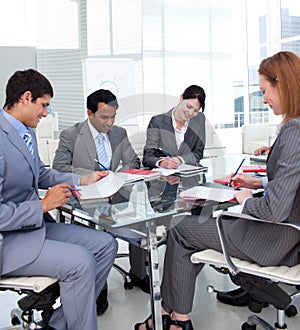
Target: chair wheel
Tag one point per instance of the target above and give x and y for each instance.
(291, 311)
(247, 326)
(128, 283)
(15, 320)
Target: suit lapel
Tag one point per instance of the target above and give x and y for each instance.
(113, 139)
(167, 125)
(87, 140)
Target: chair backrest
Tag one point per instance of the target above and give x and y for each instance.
(255, 136)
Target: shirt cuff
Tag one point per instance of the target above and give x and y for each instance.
(264, 181)
(243, 204)
(182, 160)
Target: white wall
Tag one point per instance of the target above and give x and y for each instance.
(13, 59)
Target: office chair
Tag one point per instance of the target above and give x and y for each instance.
(40, 295)
(260, 282)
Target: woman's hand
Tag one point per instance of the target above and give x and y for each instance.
(261, 151)
(170, 162)
(246, 181)
(241, 195)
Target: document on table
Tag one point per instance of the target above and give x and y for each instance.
(105, 187)
(204, 192)
(182, 169)
(128, 178)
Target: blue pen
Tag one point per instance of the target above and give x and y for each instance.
(235, 173)
(165, 152)
(104, 167)
(74, 189)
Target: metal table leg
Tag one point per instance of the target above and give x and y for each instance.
(154, 276)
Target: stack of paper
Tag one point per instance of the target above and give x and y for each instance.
(145, 174)
(183, 169)
(260, 158)
(128, 178)
(209, 193)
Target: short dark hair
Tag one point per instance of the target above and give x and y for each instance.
(195, 92)
(26, 80)
(101, 95)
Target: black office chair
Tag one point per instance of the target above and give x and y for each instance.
(262, 283)
(40, 295)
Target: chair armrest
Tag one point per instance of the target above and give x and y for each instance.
(1, 248)
(229, 215)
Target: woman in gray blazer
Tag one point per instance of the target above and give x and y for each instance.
(263, 243)
(177, 136)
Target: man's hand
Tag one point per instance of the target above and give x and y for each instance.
(245, 181)
(56, 196)
(92, 177)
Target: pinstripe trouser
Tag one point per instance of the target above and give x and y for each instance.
(191, 234)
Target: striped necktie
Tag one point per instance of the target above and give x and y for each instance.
(101, 152)
(28, 141)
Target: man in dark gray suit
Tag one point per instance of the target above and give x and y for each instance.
(33, 246)
(77, 153)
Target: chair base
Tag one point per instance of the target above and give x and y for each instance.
(23, 317)
(19, 324)
(254, 320)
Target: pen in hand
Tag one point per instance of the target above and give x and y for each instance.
(235, 173)
(104, 167)
(74, 189)
(75, 192)
(165, 152)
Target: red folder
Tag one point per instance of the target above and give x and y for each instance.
(139, 171)
(224, 181)
(254, 168)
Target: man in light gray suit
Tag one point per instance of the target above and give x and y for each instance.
(77, 153)
(77, 149)
(33, 246)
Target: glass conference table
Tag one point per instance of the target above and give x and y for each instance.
(137, 210)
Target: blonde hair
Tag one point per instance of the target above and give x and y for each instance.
(283, 70)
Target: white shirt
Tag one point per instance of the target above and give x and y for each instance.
(179, 134)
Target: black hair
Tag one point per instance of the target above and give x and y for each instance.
(195, 92)
(101, 95)
(26, 80)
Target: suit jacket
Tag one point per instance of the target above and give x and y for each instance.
(76, 151)
(160, 134)
(21, 212)
(269, 244)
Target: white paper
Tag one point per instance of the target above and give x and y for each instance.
(204, 192)
(105, 187)
(128, 177)
(181, 168)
